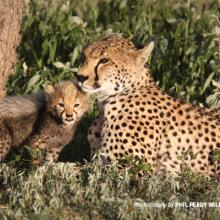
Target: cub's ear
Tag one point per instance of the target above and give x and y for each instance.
(144, 54)
(49, 89)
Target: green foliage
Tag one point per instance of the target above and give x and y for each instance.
(214, 99)
(185, 61)
(186, 34)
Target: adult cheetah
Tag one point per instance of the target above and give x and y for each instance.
(137, 118)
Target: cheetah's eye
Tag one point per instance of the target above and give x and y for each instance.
(104, 60)
(61, 105)
(76, 105)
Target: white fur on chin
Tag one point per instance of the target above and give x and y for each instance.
(68, 123)
(91, 91)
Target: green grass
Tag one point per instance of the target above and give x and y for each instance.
(185, 61)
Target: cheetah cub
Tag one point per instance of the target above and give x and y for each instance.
(45, 120)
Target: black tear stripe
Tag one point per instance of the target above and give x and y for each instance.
(96, 71)
(60, 112)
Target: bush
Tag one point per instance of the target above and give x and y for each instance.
(186, 34)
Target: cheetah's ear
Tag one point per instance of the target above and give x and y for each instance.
(144, 54)
(49, 89)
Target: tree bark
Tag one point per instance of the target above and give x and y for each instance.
(10, 22)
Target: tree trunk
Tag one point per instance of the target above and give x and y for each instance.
(10, 21)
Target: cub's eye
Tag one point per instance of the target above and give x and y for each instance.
(104, 60)
(61, 105)
(76, 105)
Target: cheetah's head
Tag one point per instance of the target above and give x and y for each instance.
(65, 102)
(112, 65)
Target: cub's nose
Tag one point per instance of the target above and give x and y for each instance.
(69, 115)
(81, 78)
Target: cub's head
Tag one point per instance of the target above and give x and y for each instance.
(111, 65)
(66, 102)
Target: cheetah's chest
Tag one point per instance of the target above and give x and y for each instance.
(128, 129)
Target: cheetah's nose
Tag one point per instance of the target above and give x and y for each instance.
(69, 115)
(81, 78)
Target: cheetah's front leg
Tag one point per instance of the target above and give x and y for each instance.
(5, 146)
(47, 143)
(167, 161)
(38, 142)
(5, 142)
(53, 153)
(95, 136)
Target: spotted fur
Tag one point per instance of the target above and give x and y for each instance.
(138, 119)
(46, 120)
